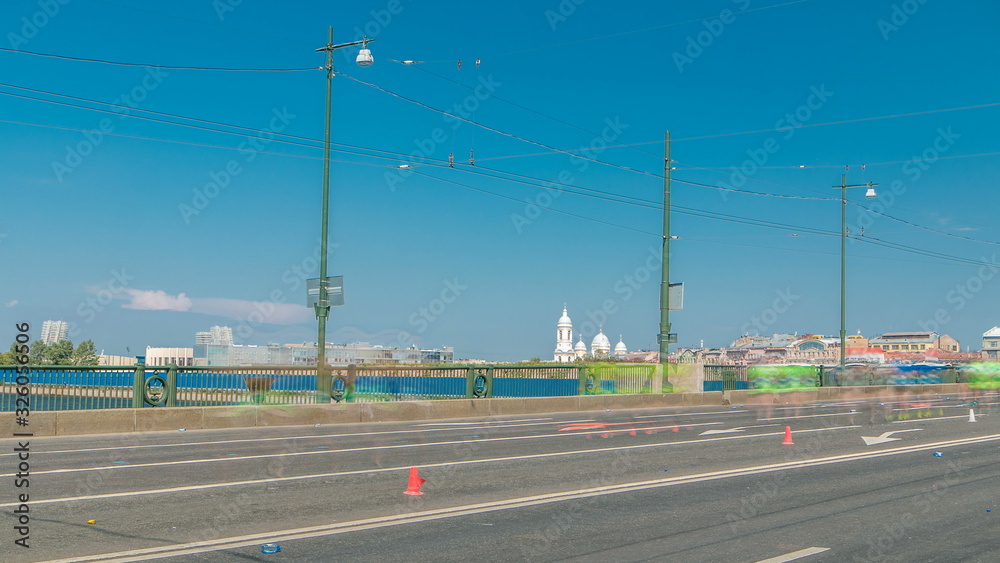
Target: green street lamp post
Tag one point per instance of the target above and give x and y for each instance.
(324, 385)
(870, 194)
(664, 335)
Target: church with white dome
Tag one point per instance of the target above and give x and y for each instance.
(600, 346)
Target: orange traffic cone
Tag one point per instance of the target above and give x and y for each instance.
(415, 482)
(788, 437)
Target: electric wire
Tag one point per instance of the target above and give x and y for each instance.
(146, 65)
(521, 201)
(601, 195)
(494, 130)
(945, 233)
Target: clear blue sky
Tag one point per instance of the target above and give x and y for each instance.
(118, 242)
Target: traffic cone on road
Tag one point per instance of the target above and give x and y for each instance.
(788, 437)
(415, 482)
(972, 415)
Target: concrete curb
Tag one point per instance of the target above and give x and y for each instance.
(108, 421)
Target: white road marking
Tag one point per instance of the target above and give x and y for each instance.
(486, 422)
(283, 438)
(400, 468)
(161, 552)
(884, 437)
(687, 414)
(795, 555)
(738, 429)
(928, 419)
(624, 428)
(811, 416)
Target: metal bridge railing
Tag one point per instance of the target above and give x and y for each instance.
(104, 387)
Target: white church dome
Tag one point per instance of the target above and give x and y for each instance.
(601, 344)
(564, 319)
(620, 348)
(580, 346)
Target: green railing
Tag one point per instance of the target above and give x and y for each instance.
(103, 387)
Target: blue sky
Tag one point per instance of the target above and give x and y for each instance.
(124, 233)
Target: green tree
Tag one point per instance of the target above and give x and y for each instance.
(59, 353)
(8, 358)
(85, 354)
(39, 353)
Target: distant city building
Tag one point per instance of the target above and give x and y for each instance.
(991, 344)
(914, 342)
(109, 360)
(54, 331)
(899, 347)
(600, 346)
(164, 356)
(358, 353)
(221, 335)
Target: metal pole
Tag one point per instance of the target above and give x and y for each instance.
(843, 259)
(665, 281)
(323, 381)
(843, 269)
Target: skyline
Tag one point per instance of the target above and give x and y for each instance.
(576, 337)
(143, 228)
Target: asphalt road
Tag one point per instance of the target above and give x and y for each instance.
(683, 484)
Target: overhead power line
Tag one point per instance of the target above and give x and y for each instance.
(494, 130)
(935, 231)
(148, 65)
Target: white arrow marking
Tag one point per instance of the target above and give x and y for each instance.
(884, 437)
(737, 429)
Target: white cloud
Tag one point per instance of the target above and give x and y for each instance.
(253, 311)
(242, 310)
(11, 303)
(156, 300)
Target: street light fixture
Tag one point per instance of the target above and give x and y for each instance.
(870, 194)
(324, 385)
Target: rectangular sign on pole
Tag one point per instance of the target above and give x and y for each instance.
(675, 296)
(334, 291)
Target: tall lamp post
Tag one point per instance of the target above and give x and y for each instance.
(664, 335)
(324, 385)
(870, 194)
